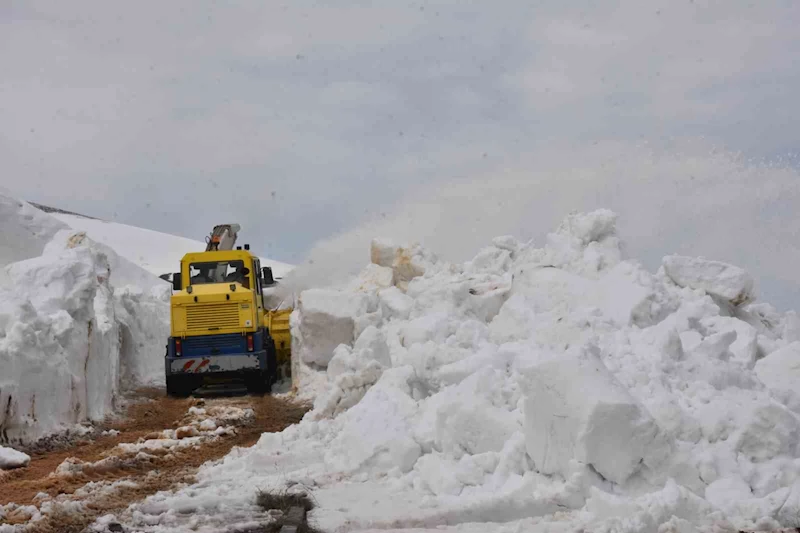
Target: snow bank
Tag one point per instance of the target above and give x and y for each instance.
(560, 388)
(10, 458)
(77, 323)
(155, 252)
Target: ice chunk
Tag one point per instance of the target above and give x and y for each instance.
(11, 458)
(722, 280)
(576, 409)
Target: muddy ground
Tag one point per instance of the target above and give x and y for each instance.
(103, 462)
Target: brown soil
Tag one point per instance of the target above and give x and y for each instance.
(155, 414)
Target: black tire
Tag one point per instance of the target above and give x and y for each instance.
(272, 362)
(258, 383)
(179, 386)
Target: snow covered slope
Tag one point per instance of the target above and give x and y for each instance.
(159, 253)
(77, 324)
(560, 388)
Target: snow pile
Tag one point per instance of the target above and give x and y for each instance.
(10, 458)
(155, 252)
(560, 387)
(77, 322)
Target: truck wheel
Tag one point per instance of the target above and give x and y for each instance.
(178, 386)
(272, 368)
(272, 360)
(258, 383)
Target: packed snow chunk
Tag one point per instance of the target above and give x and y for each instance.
(209, 424)
(789, 513)
(728, 282)
(489, 260)
(370, 346)
(780, 372)
(584, 243)
(725, 492)
(791, 327)
(410, 263)
(327, 319)
(715, 346)
(768, 430)
(622, 298)
(406, 263)
(375, 433)
(473, 428)
(373, 277)
(382, 252)
(10, 458)
(576, 409)
(590, 227)
(395, 304)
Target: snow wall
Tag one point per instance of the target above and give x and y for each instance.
(78, 323)
(554, 388)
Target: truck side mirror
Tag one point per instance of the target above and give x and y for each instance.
(266, 275)
(176, 281)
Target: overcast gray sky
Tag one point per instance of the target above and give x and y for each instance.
(317, 125)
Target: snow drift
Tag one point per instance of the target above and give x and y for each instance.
(155, 252)
(77, 324)
(559, 387)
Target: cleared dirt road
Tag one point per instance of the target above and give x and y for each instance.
(161, 443)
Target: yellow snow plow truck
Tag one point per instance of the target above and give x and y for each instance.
(221, 330)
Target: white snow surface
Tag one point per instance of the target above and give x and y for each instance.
(158, 253)
(77, 324)
(11, 458)
(554, 388)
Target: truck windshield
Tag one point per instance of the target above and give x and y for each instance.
(218, 272)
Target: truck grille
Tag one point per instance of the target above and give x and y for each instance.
(211, 317)
(214, 345)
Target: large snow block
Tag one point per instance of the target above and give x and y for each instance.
(576, 409)
(722, 280)
(326, 320)
(780, 370)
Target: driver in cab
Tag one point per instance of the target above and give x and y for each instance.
(239, 275)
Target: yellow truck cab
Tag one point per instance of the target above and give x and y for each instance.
(219, 326)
